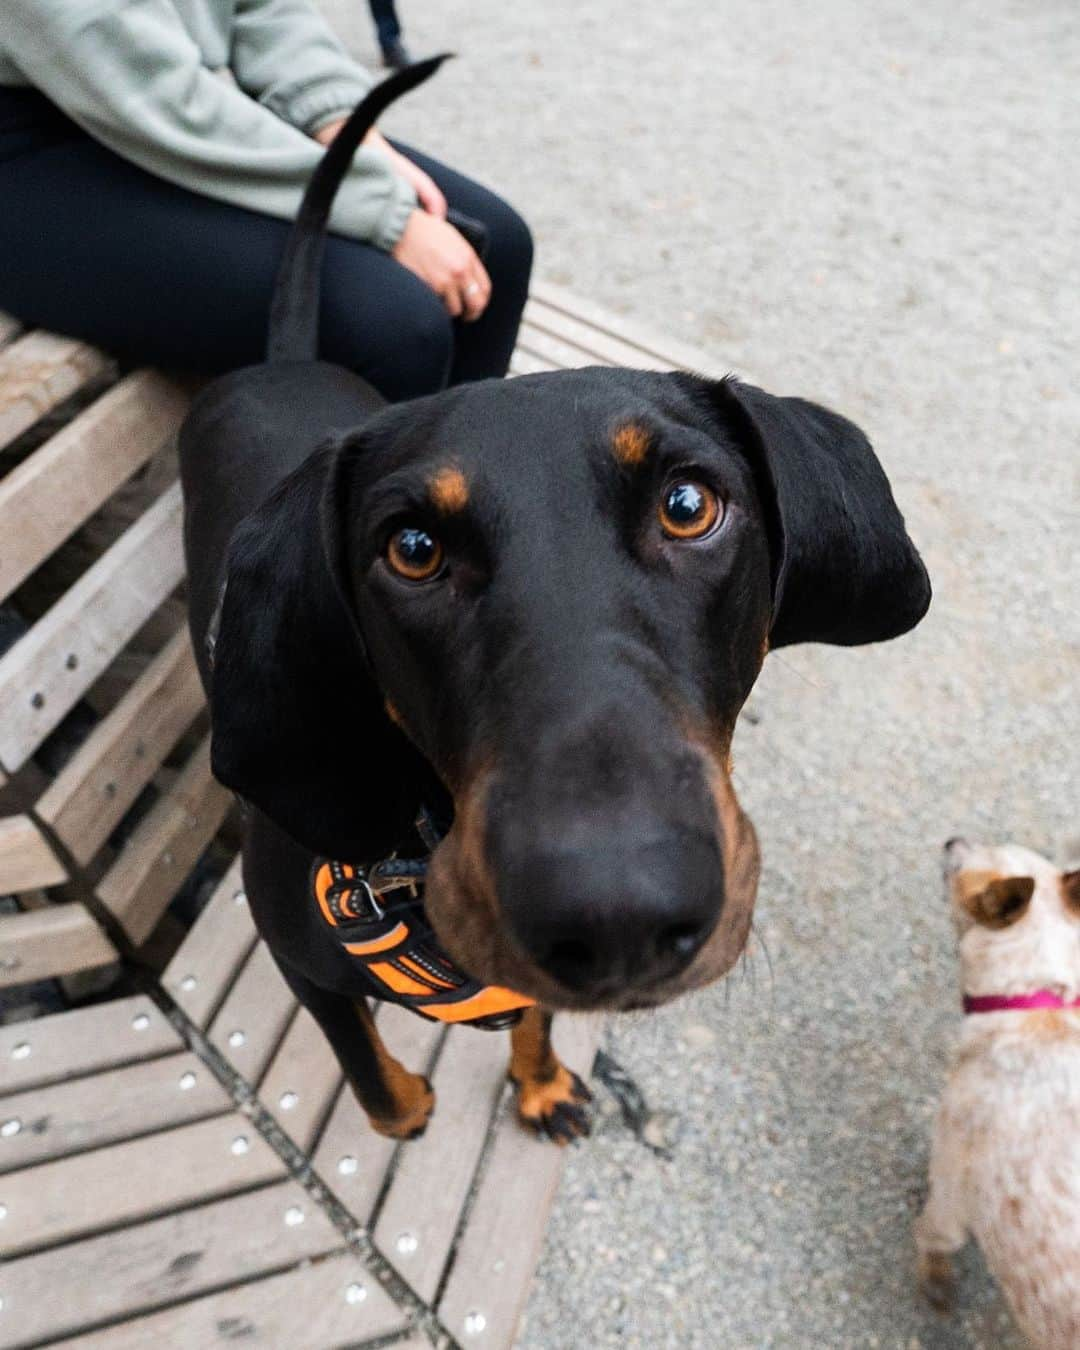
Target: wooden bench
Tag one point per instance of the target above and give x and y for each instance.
(179, 1161)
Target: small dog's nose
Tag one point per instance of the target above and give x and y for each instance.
(602, 920)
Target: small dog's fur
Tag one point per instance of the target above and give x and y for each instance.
(1006, 1156)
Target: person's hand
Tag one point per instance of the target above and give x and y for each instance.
(425, 187)
(437, 253)
(444, 259)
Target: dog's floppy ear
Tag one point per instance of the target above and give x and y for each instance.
(299, 727)
(994, 901)
(844, 569)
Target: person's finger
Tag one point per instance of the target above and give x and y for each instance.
(427, 190)
(452, 298)
(431, 198)
(477, 291)
(473, 301)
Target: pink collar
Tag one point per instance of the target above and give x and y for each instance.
(1041, 998)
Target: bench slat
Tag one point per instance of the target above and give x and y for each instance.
(47, 671)
(599, 348)
(252, 1020)
(26, 860)
(123, 752)
(498, 1251)
(122, 1183)
(418, 1219)
(206, 962)
(104, 1108)
(299, 1087)
(525, 363)
(83, 1041)
(556, 352)
(351, 1158)
(52, 492)
(39, 371)
(317, 1307)
(156, 1263)
(56, 940)
(566, 307)
(164, 847)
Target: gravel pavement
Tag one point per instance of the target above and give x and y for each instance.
(868, 203)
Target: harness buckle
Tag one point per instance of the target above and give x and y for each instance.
(361, 883)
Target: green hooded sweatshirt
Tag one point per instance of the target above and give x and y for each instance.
(150, 80)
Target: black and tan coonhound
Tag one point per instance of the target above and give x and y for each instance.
(532, 608)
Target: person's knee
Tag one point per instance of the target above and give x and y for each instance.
(510, 251)
(416, 352)
(405, 350)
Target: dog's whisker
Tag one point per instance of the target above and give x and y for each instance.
(768, 958)
(814, 684)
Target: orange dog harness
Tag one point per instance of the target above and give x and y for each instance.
(398, 949)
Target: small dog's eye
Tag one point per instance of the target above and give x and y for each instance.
(689, 510)
(414, 554)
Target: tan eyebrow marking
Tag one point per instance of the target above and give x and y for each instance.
(448, 490)
(631, 443)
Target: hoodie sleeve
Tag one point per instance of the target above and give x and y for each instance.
(129, 74)
(285, 54)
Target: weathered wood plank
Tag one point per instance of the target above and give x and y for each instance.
(558, 353)
(156, 1263)
(564, 307)
(58, 940)
(39, 371)
(104, 1108)
(85, 1040)
(525, 363)
(123, 1183)
(205, 963)
(26, 860)
(322, 1307)
(124, 751)
(47, 670)
(46, 497)
(299, 1087)
(418, 1218)
(164, 846)
(252, 1020)
(594, 345)
(351, 1158)
(498, 1251)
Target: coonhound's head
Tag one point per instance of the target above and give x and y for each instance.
(550, 596)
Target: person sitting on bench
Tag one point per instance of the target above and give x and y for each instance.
(152, 156)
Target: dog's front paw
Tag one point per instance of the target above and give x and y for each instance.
(556, 1108)
(414, 1100)
(937, 1280)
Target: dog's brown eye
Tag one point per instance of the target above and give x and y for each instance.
(689, 510)
(414, 554)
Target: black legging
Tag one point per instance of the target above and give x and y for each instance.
(93, 247)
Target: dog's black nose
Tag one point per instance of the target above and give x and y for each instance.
(606, 919)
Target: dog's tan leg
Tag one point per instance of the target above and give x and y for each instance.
(551, 1098)
(941, 1228)
(398, 1103)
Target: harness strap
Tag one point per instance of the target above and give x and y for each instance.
(398, 949)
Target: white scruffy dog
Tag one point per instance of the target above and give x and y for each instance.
(1005, 1166)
